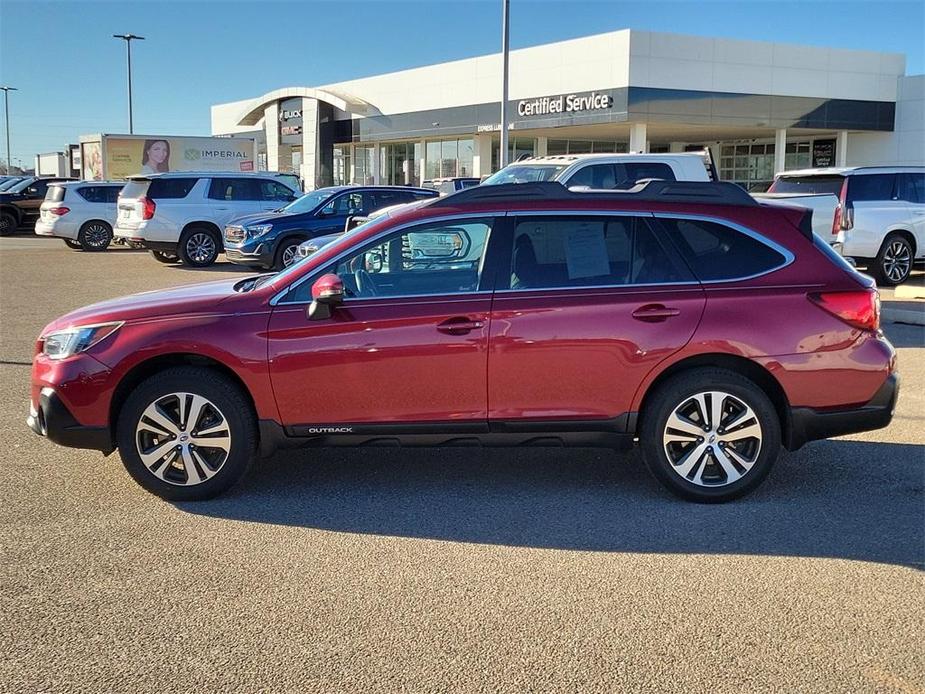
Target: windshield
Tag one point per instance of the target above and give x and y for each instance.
(524, 174)
(6, 185)
(309, 201)
(21, 185)
(808, 185)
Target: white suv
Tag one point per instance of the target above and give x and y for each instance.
(179, 216)
(607, 171)
(81, 213)
(876, 214)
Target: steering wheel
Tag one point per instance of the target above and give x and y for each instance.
(365, 286)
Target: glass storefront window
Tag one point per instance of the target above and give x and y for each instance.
(363, 166)
(398, 163)
(448, 158)
(556, 147)
(753, 164)
(341, 172)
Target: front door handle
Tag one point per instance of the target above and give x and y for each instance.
(654, 313)
(459, 325)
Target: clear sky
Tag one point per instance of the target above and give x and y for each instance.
(71, 73)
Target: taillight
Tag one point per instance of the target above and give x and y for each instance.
(148, 207)
(859, 308)
(59, 211)
(844, 215)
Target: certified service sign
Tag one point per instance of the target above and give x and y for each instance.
(565, 103)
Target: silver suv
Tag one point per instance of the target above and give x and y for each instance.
(179, 216)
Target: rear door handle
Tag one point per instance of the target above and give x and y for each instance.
(654, 313)
(459, 325)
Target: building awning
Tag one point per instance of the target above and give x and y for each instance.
(254, 112)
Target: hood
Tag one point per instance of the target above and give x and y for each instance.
(176, 301)
(260, 218)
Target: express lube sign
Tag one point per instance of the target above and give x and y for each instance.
(564, 103)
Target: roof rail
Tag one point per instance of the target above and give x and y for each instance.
(648, 190)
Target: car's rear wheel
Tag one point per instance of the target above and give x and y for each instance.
(8, 224)
(165, 257)
(287, 253)
(94, 235)
(70, 243)
(893, 263)
(187, 433)
(199, 246)
(710, 435)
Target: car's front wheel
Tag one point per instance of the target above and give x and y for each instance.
(187, 433)
(287, 253)
(710, 435)
(199, 246)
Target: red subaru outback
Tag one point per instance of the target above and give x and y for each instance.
(686, 316)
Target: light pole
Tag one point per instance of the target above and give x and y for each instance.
(6, 107)
(128, 38)
(505, 50)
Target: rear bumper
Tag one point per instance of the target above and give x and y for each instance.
(808, 424)
(58, 228)
(50, 417)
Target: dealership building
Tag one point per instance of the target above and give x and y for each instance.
(761, 107)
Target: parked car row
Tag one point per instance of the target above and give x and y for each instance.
(873, 215)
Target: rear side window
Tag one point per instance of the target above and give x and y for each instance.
(102, 194)
(912, 187)
(554, 252)
(54, 194)
(169, 188)
(717, 252)
(234, 189)
(871, 187)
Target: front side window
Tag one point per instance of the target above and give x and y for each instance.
(554, 252)
(718, 252)
(355, 203)
(440, 258)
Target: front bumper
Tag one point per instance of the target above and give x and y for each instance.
(50, 417)
(261, 256)
(808, 424)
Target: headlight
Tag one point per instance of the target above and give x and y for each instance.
(66, 343)
(258, 230)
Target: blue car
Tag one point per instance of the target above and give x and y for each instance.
(270, 241)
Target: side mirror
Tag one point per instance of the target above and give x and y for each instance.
(31, 190)
(327, 292)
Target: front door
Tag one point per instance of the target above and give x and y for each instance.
(407, 347)
(332, 218)
(592, 305)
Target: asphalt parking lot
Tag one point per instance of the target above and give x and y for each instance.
(446, 570)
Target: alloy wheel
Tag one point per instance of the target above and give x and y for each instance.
(183, 439)
(290, 254)
(712, 439)
(96, 236)
(897, 260)
(200, 247)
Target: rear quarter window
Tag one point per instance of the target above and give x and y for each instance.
(55, 193)
(170, 188)
(716, 252)
(101, 194)
(869, 187)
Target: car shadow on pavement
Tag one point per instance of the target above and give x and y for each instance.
(838, 499)
(216, 267)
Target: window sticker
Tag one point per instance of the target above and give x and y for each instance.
(586, 251)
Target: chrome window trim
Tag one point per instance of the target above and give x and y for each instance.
(276, 300)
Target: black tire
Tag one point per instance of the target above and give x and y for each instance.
(71, 244)
(236, 412)
(94, 236)
(286, 246)
(165, 257)
(893, 263)
(8, 224)
(677, 393)
(199, 246)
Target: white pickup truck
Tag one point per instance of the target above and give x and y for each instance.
(874, 215)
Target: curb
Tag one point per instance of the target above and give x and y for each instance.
(903, 315)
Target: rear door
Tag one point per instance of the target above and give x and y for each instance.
(233, 197)
(912, 192)
(586, 306)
